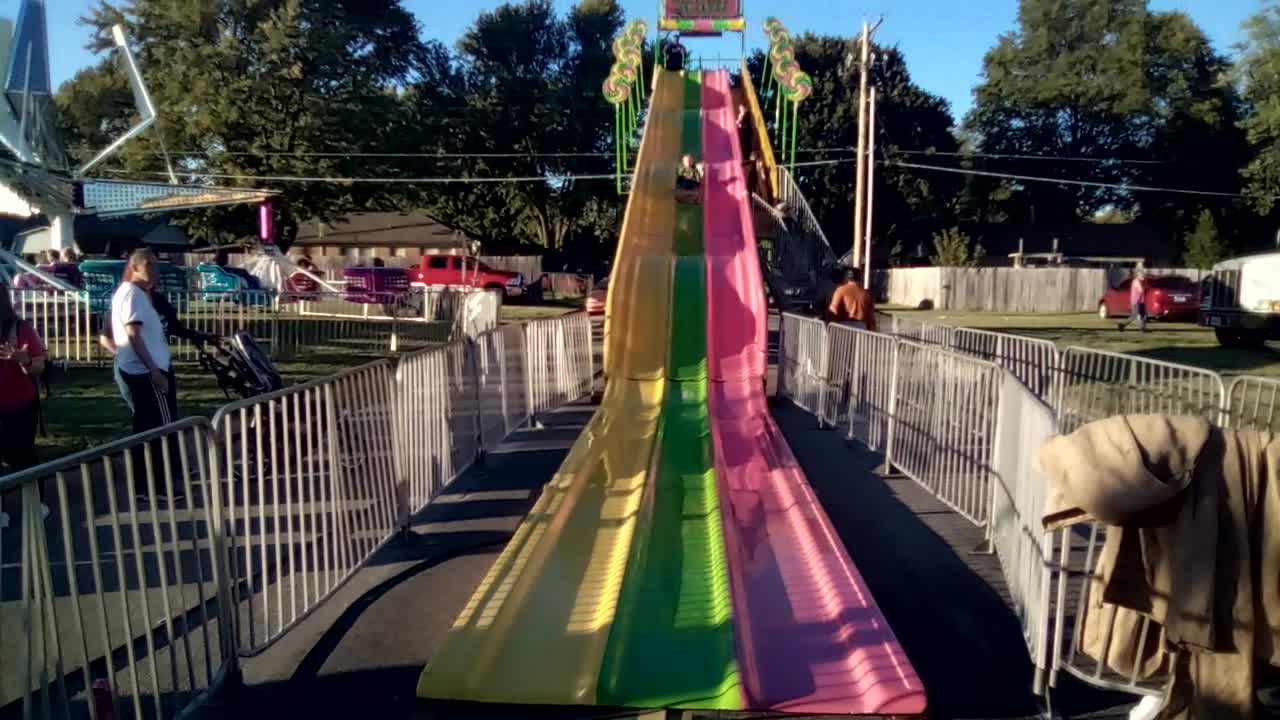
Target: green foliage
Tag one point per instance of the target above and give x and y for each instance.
(907, 202)
(1258, 72)
(953, 248)
(1204, 245)
(1110, 81)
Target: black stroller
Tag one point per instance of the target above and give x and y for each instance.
(243, 369)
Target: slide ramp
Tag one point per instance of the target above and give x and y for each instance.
(810, 637)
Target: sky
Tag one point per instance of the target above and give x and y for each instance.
(943, 40)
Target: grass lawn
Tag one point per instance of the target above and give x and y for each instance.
(511, 313)
(1184, 343)
(84, 408)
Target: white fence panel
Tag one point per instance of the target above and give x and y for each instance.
(802, 361)
(1032, 361)
(62, 319)
(943, 421)
(437, 438)
(1023, 424)
(112, 572)
(559, 361)
(1253, 403)
(1093, 384)
(309, 480)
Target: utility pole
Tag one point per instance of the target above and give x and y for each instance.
(860, 182)
(871, 184)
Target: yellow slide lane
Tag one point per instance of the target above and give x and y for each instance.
(536, 628)
(637, 308)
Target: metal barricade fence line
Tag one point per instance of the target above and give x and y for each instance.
(287, 496)
(63, 319)
(1031, 360)
(159, 585)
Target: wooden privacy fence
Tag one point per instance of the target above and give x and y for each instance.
(1011, 290)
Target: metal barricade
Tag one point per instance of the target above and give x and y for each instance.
(1253, 403)
(942, 425)
(309, 480)
(920, 331)
(868, 383)
(1093, 384)
(64, 321)
(1023, 424)
(1032, 361)
(1084, 625)
(436, 433)
(112, 572)
(223, 314)
(559, 361)
(802, 360)
(502, 403)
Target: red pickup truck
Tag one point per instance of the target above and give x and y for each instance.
(460, 270)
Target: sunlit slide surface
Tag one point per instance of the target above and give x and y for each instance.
(679, 558)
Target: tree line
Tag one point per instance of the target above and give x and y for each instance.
(1087, 110)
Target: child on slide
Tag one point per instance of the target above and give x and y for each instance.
(689, 178)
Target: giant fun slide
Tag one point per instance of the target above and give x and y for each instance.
(678, 558)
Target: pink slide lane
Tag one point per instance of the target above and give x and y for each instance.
(808, 633)
(810, 637)
(736, 312)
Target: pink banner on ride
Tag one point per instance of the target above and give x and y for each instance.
(737, 336)
(702, 9)
(810, 637)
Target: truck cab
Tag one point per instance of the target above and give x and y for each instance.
(466, 271)
(1241, 300)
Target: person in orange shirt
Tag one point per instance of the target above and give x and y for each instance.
(851, 304)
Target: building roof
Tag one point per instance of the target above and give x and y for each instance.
(381, 229)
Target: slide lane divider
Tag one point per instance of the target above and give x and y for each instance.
(673, 645)
(810, 637)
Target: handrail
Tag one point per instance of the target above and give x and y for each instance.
(761, 131)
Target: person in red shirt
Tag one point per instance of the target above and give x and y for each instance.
(22, 360)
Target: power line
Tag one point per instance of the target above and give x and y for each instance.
(1065, 181)
(410, 180)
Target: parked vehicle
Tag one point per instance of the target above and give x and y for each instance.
(465, 271)
(1169, 297)
(102, 277)
(597, 297)
(1242, 300)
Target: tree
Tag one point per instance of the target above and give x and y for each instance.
(953, 248)
(1102, 84)
(528, 82)
(1204, 245)
(1258, 72)
(907, 202)
(250, 88)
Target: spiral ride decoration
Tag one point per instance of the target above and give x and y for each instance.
(624, 89)
(789, 84)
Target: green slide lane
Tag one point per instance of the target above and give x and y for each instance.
(672, 641)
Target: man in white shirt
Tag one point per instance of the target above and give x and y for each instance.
(143, 346)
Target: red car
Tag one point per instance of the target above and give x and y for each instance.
(455, 270)
(596, 298)
(1169, 297)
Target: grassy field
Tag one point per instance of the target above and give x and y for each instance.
(1184, 343)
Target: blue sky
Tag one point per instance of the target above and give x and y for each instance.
(943, 40)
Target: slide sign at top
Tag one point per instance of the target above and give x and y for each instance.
(703, 9)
